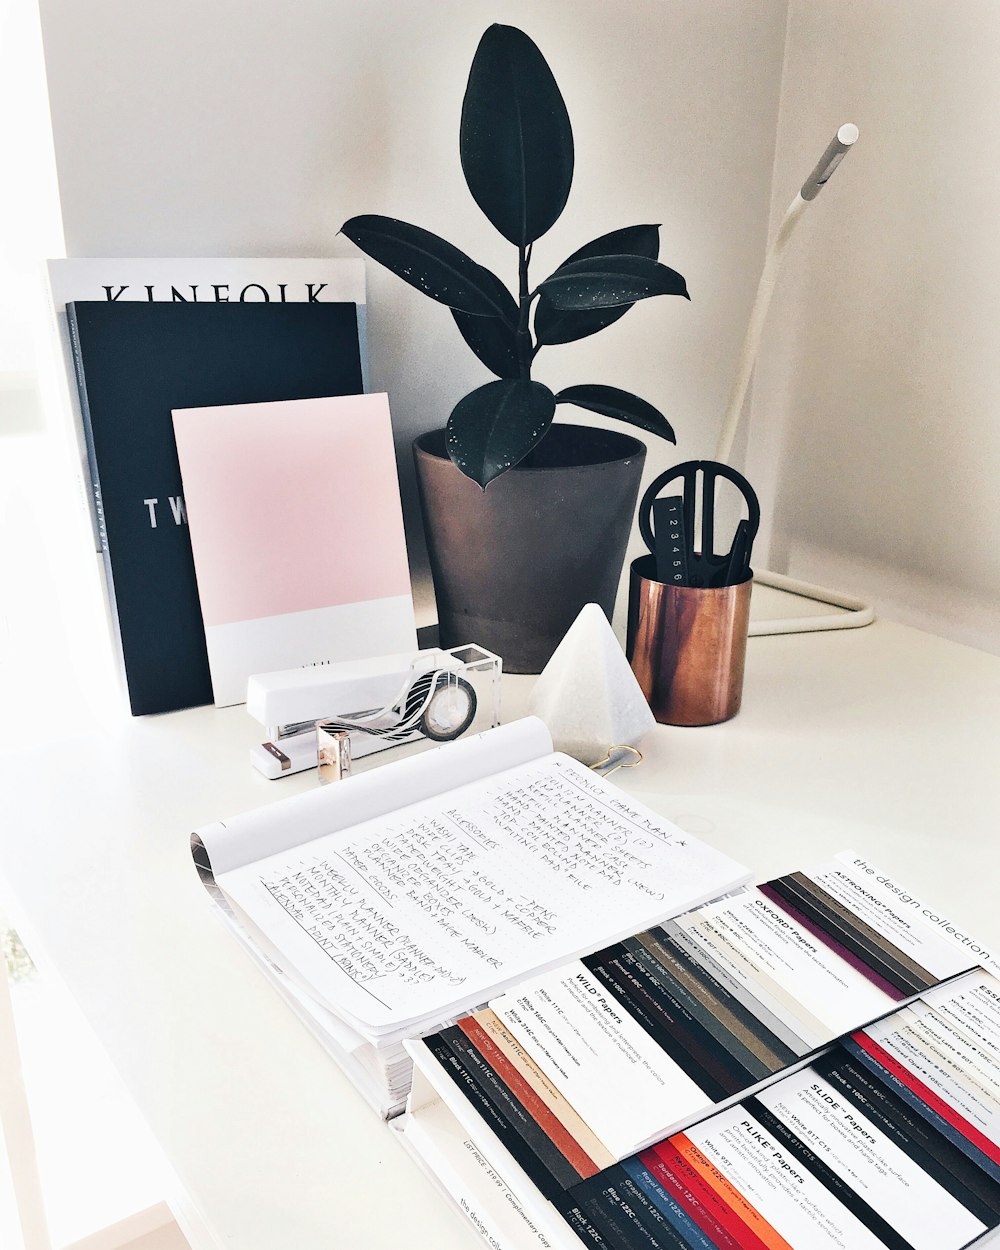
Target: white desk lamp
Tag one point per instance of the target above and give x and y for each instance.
(858, 613)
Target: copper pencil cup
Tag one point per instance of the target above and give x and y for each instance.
(687, 646)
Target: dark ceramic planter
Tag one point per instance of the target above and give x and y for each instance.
(514, 564)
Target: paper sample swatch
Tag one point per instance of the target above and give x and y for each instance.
(297, 534)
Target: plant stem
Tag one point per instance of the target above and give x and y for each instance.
(525, 351)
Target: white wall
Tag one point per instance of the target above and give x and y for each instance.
(29, 213)
(256, 127)
(875, 430)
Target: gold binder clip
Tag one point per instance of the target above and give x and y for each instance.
(621, 746)
(333, 751)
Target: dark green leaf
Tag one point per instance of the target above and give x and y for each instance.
(608, 281)
(432, 265)
(493, 428)
(516, 141)
(622, 405)
(558, 325)
(493, 341)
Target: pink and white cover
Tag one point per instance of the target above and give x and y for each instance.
(297, 534)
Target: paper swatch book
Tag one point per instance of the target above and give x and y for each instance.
(580, 1103)
(888, 1141)
(297, 534)
(136, 362)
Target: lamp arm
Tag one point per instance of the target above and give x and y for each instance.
(857, 612)
(837, 149)
(758, 315)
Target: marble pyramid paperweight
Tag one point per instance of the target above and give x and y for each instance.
(587, 695)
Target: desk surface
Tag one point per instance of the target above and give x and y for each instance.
(883, 739)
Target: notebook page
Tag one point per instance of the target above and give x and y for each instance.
(291, 822)
(427, 910)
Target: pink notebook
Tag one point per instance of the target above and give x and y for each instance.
(297, 534)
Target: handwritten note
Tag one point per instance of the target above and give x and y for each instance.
(432, 906)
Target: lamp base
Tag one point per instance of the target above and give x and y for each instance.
(857, 614)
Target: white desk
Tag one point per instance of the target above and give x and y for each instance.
(884, 739)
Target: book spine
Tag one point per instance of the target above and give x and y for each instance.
(88, 430)
(95, 482)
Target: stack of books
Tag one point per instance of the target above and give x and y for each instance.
(255, 359)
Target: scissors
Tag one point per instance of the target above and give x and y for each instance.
(667, 526)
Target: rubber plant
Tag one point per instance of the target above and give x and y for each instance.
(516, 147)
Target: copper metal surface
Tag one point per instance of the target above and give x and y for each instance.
(687, 646)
